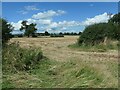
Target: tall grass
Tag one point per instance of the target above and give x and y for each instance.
(17, 59)
(96, 48)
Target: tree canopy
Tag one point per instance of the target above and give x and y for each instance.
(6, 29)
(29, 29)
(96, 34)
(115, 19)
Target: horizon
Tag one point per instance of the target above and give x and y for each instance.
(58, 17)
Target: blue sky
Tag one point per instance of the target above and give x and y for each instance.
(58, 16)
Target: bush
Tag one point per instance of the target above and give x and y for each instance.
(56, 35)
(93, 34)
(101, 32)
(17, 59)
(97, 33)
(17, 35)
(6, 29)
(34, 35)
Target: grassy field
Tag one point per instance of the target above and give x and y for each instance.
(66, 67)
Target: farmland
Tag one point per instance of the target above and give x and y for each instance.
(66, 67)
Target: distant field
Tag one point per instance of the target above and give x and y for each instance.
(67, 67)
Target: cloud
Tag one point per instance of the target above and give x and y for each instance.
(22, 12)
(44, 21)
(28, 9)
(48, 25)
(40, 21)
(32, 7)
(97, 19)
(69, 23)
(56, 27)
(17, 25)
(47, 14)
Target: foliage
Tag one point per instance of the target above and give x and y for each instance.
(56, 35)
(17, 59)
(18, 35)
(71, 33)
(115, 19)
(46, 33)
(29, 29)
(70, 74)
(6, 29)
(95, 48)
(101, 32)
(93, 34)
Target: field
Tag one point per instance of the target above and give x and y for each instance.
(66, 67)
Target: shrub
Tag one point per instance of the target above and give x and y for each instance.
(93, 34)
(97, 33)
(6, 29)
(56, 35)
(17, 35)
(17, 59)
(101, 32)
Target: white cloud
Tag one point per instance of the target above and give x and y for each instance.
(28, 9)
(69, 23)
(47, 14)
(44, 21)
(33, 8)
(48, 25)
(40, 21)
(97, 19)
(23, 12)
(17, 25)
(61, 26)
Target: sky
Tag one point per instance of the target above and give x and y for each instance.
(56, 17)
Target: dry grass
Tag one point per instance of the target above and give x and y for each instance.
(103, 64)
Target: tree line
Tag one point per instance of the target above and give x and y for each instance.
(46, 33)
(93, 34)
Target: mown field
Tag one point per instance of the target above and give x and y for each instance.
(65, 67)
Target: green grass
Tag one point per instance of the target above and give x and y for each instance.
(7, 84)
(17, 59)
(54, 74)
(96, 48)
(45, 73)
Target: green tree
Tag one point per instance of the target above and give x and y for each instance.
(6, 29)
(101, 32)
(93, 34)
(46, 33)
(115, 19)
(29, 29)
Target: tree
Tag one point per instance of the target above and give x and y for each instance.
(46, 33)
(6, 29)
(91, 35)
(79, 33)
(101, 32)
(29, 29)
(60, 33)
(115, 19)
